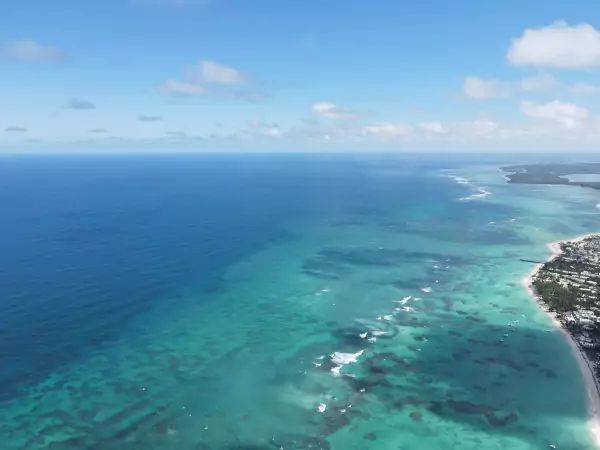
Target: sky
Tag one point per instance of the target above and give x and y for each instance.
(275, 75)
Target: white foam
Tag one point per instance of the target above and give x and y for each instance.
(479, 194)
(363, 335)
(378, 333)
(459, 179)
(322, 407)
(342, 359)
(372, 340)
(427, 289)
(387, 317)
(405, 300)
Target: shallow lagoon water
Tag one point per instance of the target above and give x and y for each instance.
(196, 303)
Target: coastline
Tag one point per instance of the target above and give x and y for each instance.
(592, 385)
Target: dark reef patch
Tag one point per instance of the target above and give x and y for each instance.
(370, 436)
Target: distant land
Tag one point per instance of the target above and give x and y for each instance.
(557, 173)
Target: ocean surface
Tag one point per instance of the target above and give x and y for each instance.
(281, 302)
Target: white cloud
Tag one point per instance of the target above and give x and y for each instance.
(30, 50)
(387, 130)
(566, 114)
(538, 82)
(558, 45)
(182, 88)
(272, 131)
(586, 88)
(331, 111)
(483, 126)
(481, 134)
(433, 127)
(213, 72)
(478, 88)
(214, 79)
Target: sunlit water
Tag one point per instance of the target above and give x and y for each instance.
(199, 302)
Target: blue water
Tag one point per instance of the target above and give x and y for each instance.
(179, 302)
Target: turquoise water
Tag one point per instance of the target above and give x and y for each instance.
(235, 308)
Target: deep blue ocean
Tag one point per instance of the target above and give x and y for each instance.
(176, 302)
(90, 242)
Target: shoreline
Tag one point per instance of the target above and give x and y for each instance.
(592, 386)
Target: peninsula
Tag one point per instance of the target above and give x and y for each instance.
(568, 287)
(572, 174)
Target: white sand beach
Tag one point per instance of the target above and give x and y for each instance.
(592, 387)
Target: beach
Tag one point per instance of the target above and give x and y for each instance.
(591, 383)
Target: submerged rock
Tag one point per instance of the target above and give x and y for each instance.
(496, 421)
(370, 436)
(416, 416)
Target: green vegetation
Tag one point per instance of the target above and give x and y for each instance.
(558, 298)
(551, 173)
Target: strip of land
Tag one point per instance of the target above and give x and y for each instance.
(568, 288)
(552, 174)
